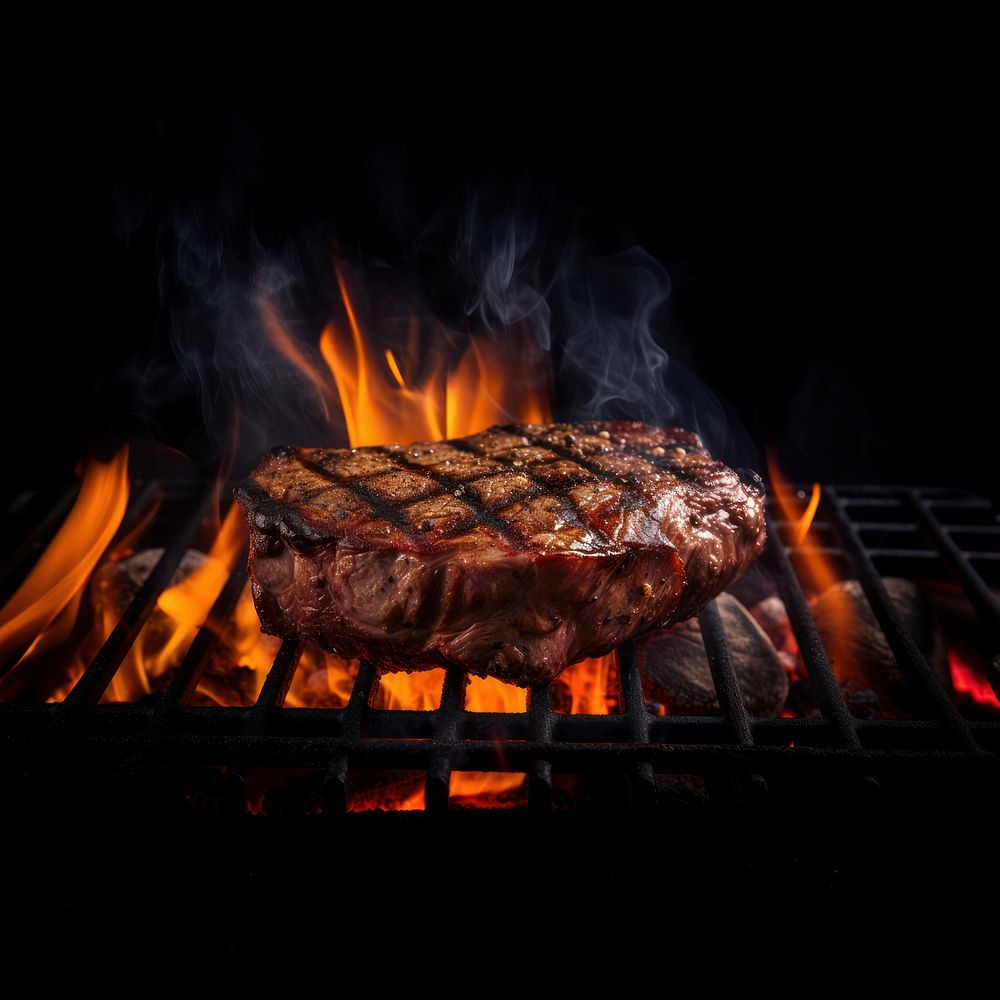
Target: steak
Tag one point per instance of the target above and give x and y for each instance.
(513, 552)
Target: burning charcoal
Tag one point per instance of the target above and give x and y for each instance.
(675, 668)
(858, 649)
(114, 586)
(116, 583)
(771, 615)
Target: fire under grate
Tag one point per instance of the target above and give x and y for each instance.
(874, 531)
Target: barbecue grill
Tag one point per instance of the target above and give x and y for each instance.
(915, 532)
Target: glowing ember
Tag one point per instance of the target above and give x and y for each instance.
(967, 680)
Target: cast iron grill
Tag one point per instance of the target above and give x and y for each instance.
(872, 530)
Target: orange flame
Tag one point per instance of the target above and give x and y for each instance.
(822, 573)
(419, 691)
(589, 683)
(819, 568)
(43, 610)
(180, 611)
(387, 398)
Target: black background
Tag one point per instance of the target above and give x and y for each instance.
(824, 204)
(826, 228)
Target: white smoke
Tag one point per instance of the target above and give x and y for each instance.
(601, 319)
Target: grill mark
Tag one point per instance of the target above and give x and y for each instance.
(561, 492)
(624, 484)
(379, 505)
(525, 495)
(485, 515)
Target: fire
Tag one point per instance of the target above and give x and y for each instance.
(791, 509)
(404, 396)
(419, 691)
(398, 394)
(180, 611)
(805, 522)
(820, 571)
(966, 679)
(43, 610)
(588, 684)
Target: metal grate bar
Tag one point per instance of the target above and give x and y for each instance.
(275, 686)
(642, 780)
(540, 724)
(980, 596)
(902, 644)
(447, 723)
(185, 678)
(825, 685)
(219, 749)
(271, 694)
(727, 684)
(96, 678)
(351, 727)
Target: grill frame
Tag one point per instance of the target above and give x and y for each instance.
(734, 752)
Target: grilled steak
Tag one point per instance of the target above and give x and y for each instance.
(513, 552)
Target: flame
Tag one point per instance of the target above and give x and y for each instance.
(43, 610)
(419, 691)
(588, 684)
(791, 509)
(180, 611)
(805, 522)
(966, 679)
(391, 397)
(821, 572)
(486, 788)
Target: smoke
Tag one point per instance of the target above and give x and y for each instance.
(513, 274)
(603, 318)
(612, 364)
(619, 352)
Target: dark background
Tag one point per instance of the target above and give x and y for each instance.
(823, 227)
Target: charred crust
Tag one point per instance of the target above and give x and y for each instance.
(271, 517)
(558, 487)
(483, 514)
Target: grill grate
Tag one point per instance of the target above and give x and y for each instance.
(540, 742)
